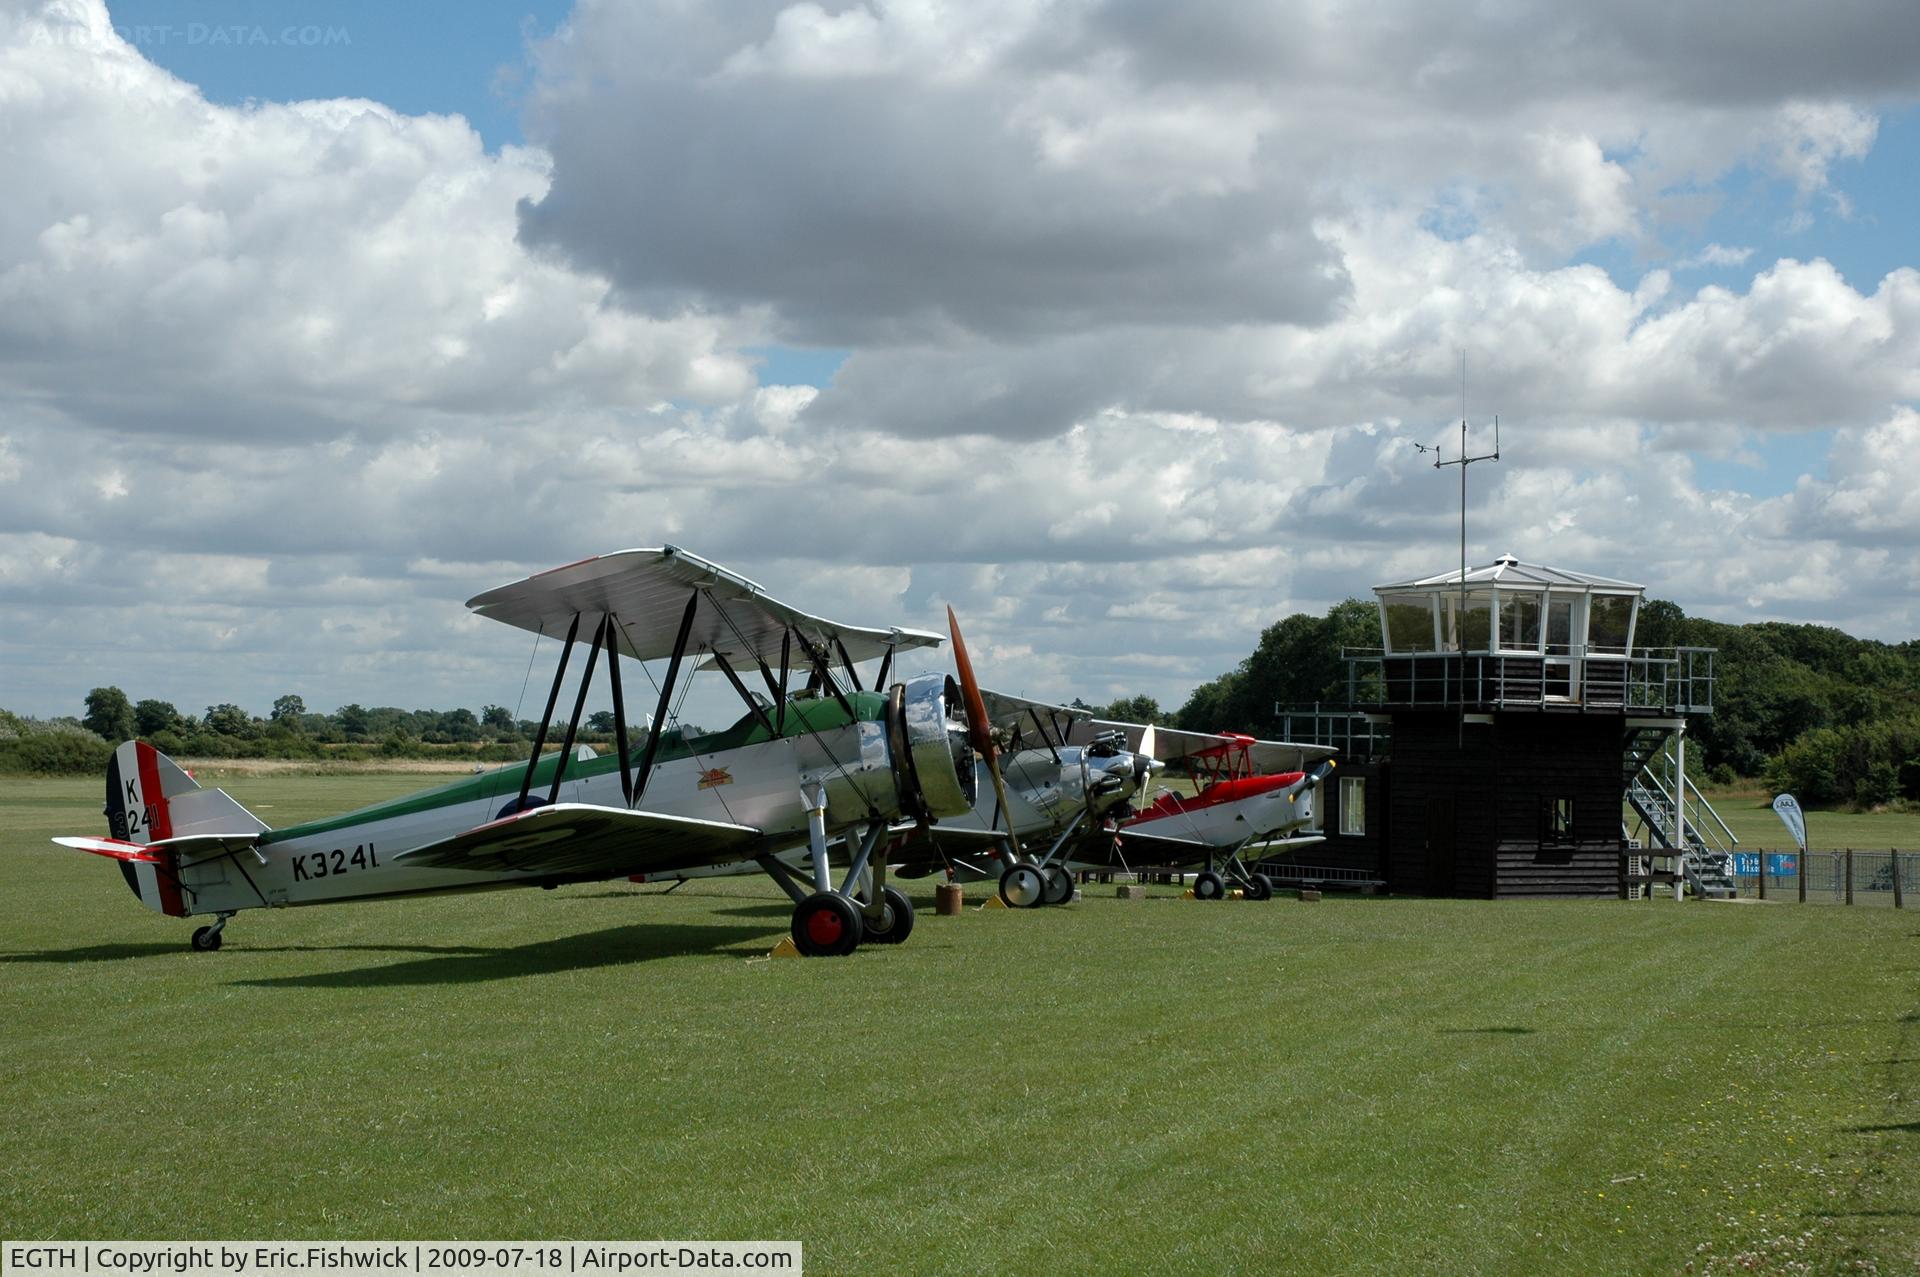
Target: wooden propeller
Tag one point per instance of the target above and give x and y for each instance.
(979, 730)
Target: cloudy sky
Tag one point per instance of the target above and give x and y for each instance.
(1113, 324)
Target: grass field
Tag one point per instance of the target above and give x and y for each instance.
(1394, 1086)
(1749, 813)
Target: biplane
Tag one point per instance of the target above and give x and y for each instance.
(833, 761)
(1251, 793)
(1053, 792)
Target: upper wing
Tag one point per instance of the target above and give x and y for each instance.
(1169, 743)
(570, 839)
(1005, 710)
(1272, 757)
(647, 593)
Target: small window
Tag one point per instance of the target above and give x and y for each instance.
(1556, 822)
(1353, 805)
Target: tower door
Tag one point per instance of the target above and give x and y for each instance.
(1440, 845)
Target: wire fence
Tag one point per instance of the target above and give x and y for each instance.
(1831, 877)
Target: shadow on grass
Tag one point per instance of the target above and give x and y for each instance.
(125, 952)
(1911, 1128)
(616, 946)
(1511, 1030)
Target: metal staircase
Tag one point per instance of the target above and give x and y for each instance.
(1653, 775)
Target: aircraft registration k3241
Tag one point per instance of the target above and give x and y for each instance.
(829, 763)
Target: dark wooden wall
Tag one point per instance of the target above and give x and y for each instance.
(1365, 853)
(1464, 818)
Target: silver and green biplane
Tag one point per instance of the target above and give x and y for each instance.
(810, 764)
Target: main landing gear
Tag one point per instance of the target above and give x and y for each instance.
(207, 939)
(1210, 884)
(1028, 886)
(829, 921)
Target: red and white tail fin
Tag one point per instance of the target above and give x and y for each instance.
(141, 782)
(155, 812)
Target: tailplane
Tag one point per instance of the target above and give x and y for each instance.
(156, 811)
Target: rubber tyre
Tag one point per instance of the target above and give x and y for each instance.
(826, 925)
(1208, 885)
(1022, 886)
(1058, 888)
(899, 919)
(1259, 887)
(206, 940)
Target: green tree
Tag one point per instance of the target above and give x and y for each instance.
(150, 718)
(354, 721)
(287, 711)
(109, 714)
(1135, 709)
(229, 720)
(497, 718)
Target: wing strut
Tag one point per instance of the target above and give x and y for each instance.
(553, 698)
(1041, 727)
(847, 662)
(780, 692)
(821, 668)
(619, 709)
(886, 667)
(752, 705)
(666, 692)
(579, 704)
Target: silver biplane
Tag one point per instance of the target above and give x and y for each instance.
(830, 762)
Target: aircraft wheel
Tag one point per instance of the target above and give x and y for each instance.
(897, 919)
(206, 940)
(1057, 888)
(826, 925)
(1259, 887)
(1022, 886)
(1207, 885)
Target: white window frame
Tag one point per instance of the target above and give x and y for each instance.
(1353, 806)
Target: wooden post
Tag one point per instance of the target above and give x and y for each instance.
(1802, 863)
(1763, 873)
(1898, 902)
(1849, 875)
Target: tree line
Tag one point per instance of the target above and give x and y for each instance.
(289, 730)
(1802, 708)
(1805, 709)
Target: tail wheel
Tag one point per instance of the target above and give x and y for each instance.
(1208, 885)
(896, 922)
(1022, 886)
(1058, 889)
(1259, 887)
(206, 940)
(826, 925)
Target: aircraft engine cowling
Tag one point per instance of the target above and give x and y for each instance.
(932, 759)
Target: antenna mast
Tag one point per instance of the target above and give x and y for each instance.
(1463, 461)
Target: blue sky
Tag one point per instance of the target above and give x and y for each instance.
(418, 58)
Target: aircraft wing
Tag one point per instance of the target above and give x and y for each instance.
(1169, 743)
(647, 593)
(1005, 710)
(1272, 757)
(581, 839)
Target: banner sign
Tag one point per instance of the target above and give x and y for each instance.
(1787, 807)
(1780, 864)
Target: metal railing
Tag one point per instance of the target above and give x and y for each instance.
(1348, 730)
(1650, 794)
(1676, 680)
